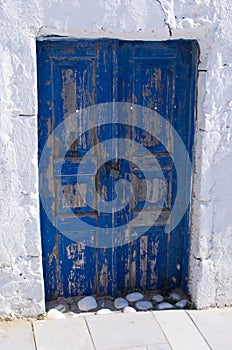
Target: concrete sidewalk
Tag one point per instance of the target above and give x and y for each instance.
(154, 330)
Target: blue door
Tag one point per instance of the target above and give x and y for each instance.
(107, 165)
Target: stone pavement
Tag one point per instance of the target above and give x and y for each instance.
(150, 330)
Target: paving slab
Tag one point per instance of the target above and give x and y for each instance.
(215, 325)
(16, 335)
(125, 330)
(71, 333)
(180, 330)
(154, 330)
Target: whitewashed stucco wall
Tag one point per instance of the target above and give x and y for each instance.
(208, 21)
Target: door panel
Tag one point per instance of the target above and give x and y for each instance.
(74, 75)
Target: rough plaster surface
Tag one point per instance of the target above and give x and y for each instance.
(208, 21)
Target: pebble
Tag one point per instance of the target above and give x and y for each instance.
(174, 296)
(182, 303)
(103, 312)
(132, 297)
(120, 303)
(87, 303)
(80, 305)
(61, 308)
(128, 310)
(158, 298)
(54, 314)
(164, 306)
(143, 305)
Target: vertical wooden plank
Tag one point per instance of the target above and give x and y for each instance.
(45, 125)
(105, 87)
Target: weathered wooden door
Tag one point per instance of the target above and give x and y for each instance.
(74, 75)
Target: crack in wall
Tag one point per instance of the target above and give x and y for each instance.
(165, 19)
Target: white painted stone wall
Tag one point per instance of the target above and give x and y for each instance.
(208, 21)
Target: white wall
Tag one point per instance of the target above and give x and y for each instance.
(208, 21)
